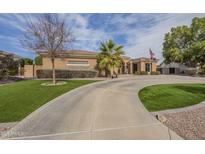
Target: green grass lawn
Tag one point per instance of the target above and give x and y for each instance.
(169, 96)
(19, 99)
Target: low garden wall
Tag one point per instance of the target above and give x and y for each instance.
(30, 70)
(42, 73)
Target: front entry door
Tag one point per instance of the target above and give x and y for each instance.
(135, 68)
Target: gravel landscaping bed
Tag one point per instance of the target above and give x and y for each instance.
(188, 124)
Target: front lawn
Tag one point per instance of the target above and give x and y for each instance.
(19, 99)
(169, 96)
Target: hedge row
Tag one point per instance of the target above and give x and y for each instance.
(146, 73)
(66, 73)
(190, 71)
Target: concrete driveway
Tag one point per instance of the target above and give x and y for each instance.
(104, 110)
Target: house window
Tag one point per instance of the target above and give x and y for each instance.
(73, 62)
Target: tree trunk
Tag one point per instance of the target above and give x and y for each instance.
(106, 73)
(53, 69)
(113, 72)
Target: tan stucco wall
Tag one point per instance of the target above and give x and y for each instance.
(30, 70)
(154, 67)
(142, 66)
(61, 63)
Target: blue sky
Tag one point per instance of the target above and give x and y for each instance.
(137, 32)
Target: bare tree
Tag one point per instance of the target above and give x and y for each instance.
(48, 33)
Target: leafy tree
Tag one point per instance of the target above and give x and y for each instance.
(27, 61)
(48, 33)
(38, 60)
(176, 43)
(8, 66)
(198, 29)
(197, 48)
(110, 57)
(185, 44)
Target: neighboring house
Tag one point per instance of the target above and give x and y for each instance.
(87, 60)
(172, 68)
(17, 58)
(4, 53)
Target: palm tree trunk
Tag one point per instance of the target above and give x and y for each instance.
(53, 69)
(112, 72)
(106, 71)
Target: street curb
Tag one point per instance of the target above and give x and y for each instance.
(177, 110)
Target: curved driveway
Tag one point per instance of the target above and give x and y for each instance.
(104, 110)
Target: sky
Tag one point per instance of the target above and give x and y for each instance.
(136, 32)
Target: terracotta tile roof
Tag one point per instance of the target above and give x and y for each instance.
(126, 57)
(144, 59)
(80, 52)
(72, 54)
(9, 53)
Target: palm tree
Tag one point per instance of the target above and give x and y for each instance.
(110, 57)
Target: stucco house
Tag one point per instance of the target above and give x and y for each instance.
(172, 68)
(87, 60)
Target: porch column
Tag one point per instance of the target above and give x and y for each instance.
(131, 68)
(142, 66)
(125, 66)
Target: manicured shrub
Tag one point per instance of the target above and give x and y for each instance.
(190, 71)
(137, 73)
(155, 73)
(144, 73)
(201, 73)
(141, 73)
(66, 73)
(203, 69)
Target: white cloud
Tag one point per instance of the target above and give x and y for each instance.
(86, 38)
(16, 21)
(153, 37)
(148, 30)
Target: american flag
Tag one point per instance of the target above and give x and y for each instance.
(152, 55)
